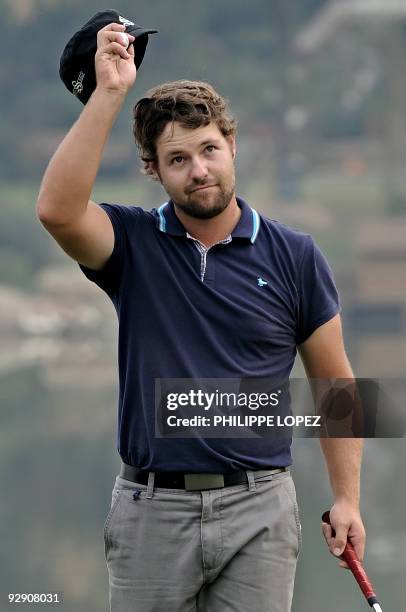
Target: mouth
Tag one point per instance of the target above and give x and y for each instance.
(204, 187)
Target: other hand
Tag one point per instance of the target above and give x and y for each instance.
(347, 523)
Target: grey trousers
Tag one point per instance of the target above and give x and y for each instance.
(232, 549)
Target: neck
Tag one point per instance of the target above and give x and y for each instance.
(210, 231)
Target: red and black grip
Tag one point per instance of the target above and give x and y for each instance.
(350, 557)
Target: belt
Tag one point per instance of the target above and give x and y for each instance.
(195, 481)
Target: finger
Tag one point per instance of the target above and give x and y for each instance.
(103, 34)
(327, 532)
(344, 565)
(358, 541)
(115, 48)
(113, 26)
(120, 37)
(359, 549)
(130, 39)
(339, 541)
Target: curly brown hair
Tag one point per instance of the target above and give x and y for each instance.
(192, 103)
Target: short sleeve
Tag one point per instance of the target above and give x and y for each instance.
(108, 277)
(318, 296)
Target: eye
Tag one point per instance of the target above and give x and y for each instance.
(178, 157)
(212, 147)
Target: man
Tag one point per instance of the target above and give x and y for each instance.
(204, 287)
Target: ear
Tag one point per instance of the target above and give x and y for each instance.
(232, 144)
(153, 170)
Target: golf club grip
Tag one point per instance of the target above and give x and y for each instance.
(350, 557)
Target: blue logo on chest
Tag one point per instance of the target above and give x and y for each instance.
(261, 282)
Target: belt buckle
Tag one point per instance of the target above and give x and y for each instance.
(196, 482)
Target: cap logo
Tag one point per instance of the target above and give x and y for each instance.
(125, 21)
(78, 85)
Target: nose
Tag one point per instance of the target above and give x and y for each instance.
(198, 169)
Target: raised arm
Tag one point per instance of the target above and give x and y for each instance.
(80, 226)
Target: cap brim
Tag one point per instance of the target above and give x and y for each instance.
(140, 42)
(138, 31)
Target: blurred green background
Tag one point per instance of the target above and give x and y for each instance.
(319, 90)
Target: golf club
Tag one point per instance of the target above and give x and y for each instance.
(350, 557)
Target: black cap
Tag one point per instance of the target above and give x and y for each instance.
(77, 65)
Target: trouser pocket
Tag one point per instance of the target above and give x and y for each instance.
(115, 499)
(289, 487)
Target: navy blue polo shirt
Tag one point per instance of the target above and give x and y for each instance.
(238, 309)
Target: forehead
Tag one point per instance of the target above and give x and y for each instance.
(176, 137)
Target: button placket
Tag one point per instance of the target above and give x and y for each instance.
(207, 274)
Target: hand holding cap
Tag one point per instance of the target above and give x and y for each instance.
(77, 63)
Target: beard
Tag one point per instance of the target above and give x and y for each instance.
(204, 204)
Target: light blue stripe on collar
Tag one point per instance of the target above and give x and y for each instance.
(162, 220)
(255, 225)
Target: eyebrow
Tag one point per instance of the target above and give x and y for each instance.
(205, 142)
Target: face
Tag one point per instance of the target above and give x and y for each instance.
(196, 168)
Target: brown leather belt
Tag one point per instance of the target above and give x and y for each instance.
(193, 482)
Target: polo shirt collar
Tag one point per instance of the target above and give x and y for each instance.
(248, 223)
(247, 226)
